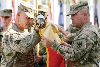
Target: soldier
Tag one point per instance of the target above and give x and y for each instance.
(5, 18)
(40, 60)
(85, 48)
(18, 42)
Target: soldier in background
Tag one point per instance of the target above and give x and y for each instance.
(85, 48)
(5, 23)
(18, 43)
(50, 31)
(40, 60)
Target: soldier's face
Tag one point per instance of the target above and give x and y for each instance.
(5, 20)
(23, 20)
(31, 21)
(77, 20)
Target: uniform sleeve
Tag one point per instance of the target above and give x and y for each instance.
(43, 53)
(79, 49)
(73, 32)
(71, 29)
(23, 42)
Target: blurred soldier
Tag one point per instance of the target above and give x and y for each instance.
(85, 48)
(40, 60)
(50, 31)
(17, 42)
(5, 23)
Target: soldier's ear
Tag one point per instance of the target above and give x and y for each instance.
(18, 14)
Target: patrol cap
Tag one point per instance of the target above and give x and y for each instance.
(27, 9)
(43, 8)
(6, 12)
(77, 7)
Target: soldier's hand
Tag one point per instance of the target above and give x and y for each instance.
(39, 59)
(65, 44)
(46, 42)
(67, 36)
(36, 29)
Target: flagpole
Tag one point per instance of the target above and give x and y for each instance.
(38, 46)
(36, 6)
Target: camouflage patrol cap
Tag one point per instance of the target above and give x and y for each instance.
(43, 8)
(27, 9)
(6, 12)
(77, 7)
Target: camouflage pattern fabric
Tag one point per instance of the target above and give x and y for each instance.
(73, 31)
(84, 49)
(17, 48)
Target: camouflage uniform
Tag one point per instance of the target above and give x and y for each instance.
(43, 53)
(85, 47)
(42, 10)
(18, 47)
(73, 31)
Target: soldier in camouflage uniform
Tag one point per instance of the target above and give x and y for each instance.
(85, 48)
(5, 24)
(18, 43)
(41, 20)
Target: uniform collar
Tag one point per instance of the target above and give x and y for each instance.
(16, 28)
(86, 25)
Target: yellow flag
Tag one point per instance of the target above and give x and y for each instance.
(51, 33)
